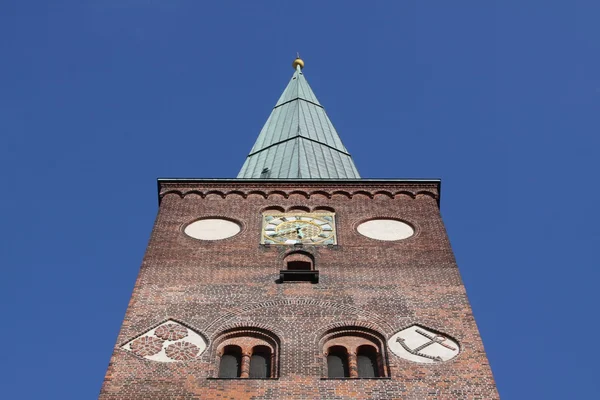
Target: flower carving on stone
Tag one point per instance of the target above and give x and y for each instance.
(182, 351)
(171, 332)
(147, 346)
(168, 342)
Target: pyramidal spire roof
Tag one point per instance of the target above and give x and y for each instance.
(298, 140)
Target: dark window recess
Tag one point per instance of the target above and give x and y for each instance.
(288, 275)
(260, 363)
(299, 266)
(231, 363)
(366, 361)
(337, 363)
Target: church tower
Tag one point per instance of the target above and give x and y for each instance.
(299, 280)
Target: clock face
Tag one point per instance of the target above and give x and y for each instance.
(301, 228)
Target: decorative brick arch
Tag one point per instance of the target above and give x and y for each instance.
(235, 193)
(376, 322)
(248, 340)
(341, 193)
(384, 194)
(323, 208)
(300, 209)
(275, 194)
(318, 194)
(182, 192)
(214, 194)
(273, 209)
(299, 193)
(355, 339)
(257, 193)
(171, 194)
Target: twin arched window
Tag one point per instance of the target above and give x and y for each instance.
(247, 353)
(235, 364)
(351, 352)
(362, 364)
(354, 353)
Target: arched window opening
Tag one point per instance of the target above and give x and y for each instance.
(260, 362)
(366, 360)
(299, 267)
(337, 362)
(247, 353)
(231, 362)
(354, 352)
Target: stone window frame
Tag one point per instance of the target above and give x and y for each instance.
(248, 340)
(352, 339)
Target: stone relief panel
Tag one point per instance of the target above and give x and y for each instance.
(418, 344)
(168, 342)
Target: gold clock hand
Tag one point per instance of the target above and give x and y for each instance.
(284, 231)
(299, 230)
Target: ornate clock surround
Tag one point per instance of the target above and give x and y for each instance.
(316, 228)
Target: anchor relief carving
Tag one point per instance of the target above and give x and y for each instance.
(421, 345)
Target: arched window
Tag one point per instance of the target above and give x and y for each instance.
(299, 261)
(231, 362)
(354, 352)
(260, 362)
(367, 364)
(337, 362)
(299, 267)
(247, 353)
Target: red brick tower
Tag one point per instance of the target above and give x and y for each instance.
(299, 280)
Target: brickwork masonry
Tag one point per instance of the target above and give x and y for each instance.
(365, 285)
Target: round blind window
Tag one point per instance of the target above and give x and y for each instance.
(385, 229)
(212, 229)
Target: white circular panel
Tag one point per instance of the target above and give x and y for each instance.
(422, 345)
(212, 229)
(385, 229)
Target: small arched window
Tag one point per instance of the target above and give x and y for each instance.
(299, 267)
(260, 362)
(337, 362)
(299, 261)
(366, 360)
(231, 362)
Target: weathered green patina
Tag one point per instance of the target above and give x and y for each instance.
(298, 140)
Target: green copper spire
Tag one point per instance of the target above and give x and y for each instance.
(298, 140)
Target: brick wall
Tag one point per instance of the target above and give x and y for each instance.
(383, 287)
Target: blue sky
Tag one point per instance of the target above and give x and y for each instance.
(499, 99)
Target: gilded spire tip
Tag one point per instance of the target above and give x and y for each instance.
(298, 61)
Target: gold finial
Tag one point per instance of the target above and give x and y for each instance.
(298, 61)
